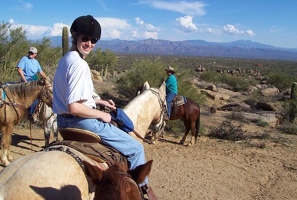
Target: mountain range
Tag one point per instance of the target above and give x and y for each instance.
(201, 48)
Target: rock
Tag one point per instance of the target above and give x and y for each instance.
(235, 107)
(265, 106)
(268, 92)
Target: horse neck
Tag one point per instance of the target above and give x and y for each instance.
(142, 110)
(24, 93)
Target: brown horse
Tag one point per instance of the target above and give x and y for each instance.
(188, 111)
(15, 101)
(117, 182)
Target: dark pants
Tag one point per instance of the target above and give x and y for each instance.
(169, 98)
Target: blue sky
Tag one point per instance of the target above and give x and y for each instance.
(271, 22)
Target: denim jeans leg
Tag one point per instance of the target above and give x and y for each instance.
(111, 136)
(169, 98)
(33, 106)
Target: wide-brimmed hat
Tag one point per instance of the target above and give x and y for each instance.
(33, 50)
(171, 69)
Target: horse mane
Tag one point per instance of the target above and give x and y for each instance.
(113, 183)
(21, 90)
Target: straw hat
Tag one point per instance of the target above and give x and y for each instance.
(171, 69)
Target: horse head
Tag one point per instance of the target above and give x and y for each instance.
(117, 182)
(46, 94)
(161, 95)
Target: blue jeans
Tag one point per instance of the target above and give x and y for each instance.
(111, 136)
(32, 107)
(169, 98)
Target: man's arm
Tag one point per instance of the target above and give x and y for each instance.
(42, 74)
(21, 73)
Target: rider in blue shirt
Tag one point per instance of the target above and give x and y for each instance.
(28, 68)
(171, 89)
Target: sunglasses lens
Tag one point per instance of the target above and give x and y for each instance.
(86, 39)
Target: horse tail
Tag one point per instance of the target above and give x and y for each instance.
(197, 124)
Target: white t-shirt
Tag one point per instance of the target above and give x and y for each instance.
(72, 83)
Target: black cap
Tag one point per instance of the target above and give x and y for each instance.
(86, 25)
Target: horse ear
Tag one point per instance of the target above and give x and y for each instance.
(92, 171)
(140, 172)
(162, 88)
(146, 86)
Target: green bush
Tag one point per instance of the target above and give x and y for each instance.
(280, 80)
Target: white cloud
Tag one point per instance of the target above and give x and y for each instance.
(113, 27)
(26, 7)
(184, 7)
(147, 35)
(210, 30)
(35, 32)
(56, 30)
(147, 27)
(144, 30)
(230, 29)
(185, 23)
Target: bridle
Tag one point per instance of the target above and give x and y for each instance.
(159, 124)
(46, 94)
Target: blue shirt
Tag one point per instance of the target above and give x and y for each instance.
(171, 84)
(30, 68)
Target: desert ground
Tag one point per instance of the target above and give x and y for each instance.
(213, 168)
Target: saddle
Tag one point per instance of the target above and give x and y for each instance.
(178, 100)
(89, 144)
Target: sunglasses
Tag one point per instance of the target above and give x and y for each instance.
(86, 39)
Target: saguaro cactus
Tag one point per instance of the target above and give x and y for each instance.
(65, 40)
(293, 104)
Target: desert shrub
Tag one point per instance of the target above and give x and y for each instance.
(153, 71)
(261, 123)
(210, 76)
(280, 80)
(289, 110)
(238, 83)
(141, 71)
(238, 116)
(228, 131)
(289, 128)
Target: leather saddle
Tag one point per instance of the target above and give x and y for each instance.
(89, 144)
(178, 100)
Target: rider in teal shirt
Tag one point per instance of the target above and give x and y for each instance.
(171, 89)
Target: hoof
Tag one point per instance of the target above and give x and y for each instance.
(189, 145)
(5, 162)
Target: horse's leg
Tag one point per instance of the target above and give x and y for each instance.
(5, 144)
(193, 131)
(47, 132)
(187, 129)
(55, 128)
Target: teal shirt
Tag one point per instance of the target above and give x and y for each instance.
(171, 84)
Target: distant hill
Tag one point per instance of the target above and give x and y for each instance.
(236, 49)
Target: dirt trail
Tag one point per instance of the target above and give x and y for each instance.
(213, 169)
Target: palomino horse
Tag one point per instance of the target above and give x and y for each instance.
(58, 173)
(16, 99)
(188, 111)
(48, 118)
